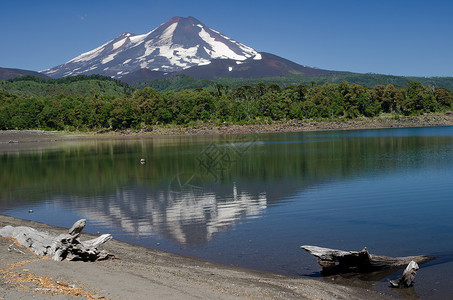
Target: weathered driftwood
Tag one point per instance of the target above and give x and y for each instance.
(63, 246)
(408, 276)
(337, 261)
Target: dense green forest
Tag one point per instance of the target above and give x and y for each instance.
(182, 82)
(76, 85)
(177, 83)
(96, 102)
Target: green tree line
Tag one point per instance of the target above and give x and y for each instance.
(218, 104)
(182, 81)
(27, 86)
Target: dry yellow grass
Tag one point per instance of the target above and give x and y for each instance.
(41, 284)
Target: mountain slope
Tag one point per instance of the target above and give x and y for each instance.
(143, 75)
(7, 73)
(269, 65)
(178, 44)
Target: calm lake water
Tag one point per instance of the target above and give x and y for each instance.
(253, 200)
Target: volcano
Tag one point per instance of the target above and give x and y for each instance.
(178, 44)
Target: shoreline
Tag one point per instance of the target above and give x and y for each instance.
(11, 137)
(383, 122)
(147, 273)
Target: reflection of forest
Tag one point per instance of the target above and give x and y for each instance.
(107, 175)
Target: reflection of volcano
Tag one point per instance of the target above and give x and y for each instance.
(190, 217)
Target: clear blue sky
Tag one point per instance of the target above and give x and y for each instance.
(387, 37)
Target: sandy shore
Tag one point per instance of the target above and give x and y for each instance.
(144, 273)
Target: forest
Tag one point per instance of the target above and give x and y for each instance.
(90, 103)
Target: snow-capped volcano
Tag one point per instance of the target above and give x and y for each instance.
(178, 44)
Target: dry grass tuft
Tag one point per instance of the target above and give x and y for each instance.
(43, 284)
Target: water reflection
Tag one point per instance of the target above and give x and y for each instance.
(376, 188)
(197, 184)
(99, 167)
(189, 218)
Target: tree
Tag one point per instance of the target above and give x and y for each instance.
(259, 90)
(419, 99)
(302, 90)
(389, 98)
(274, 87)
(150, 104)
(125, 114)
(240, 93)
(220, 88)
(367, 104)
(443, 96)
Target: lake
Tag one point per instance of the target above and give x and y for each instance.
(253, 200)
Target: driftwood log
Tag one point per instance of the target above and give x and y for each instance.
(335, 261)
(61, 247)
(408, 276)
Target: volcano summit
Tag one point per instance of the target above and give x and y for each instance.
(178, 44)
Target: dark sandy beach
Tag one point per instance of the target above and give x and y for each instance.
(144, 273)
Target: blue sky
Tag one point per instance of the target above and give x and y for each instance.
(410, 38)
